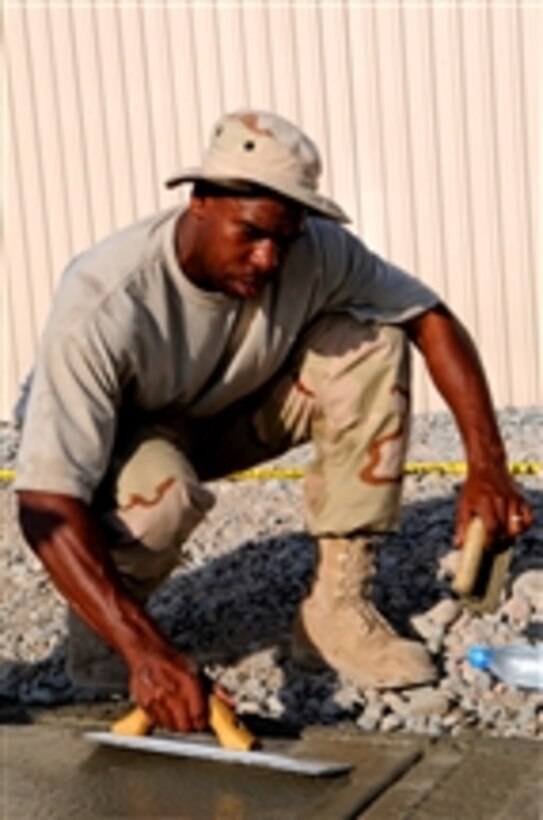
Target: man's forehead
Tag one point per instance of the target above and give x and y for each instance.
(267, 210)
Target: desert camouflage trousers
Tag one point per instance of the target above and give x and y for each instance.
(345, 388)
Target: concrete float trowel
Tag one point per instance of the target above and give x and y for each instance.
(481, 572)
(236, 743)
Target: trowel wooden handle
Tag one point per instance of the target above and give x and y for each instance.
(231, 733)
(470, 558)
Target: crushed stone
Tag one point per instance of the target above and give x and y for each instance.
(232, 602)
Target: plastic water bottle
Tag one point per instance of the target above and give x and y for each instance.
(517, 665)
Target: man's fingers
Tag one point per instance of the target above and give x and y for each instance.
(459, 534)
(175, 700)
(519, 518)
(224, 695)
(200, 721)
(515, 522)
(178, 717)
(463, 516)
(196, 705)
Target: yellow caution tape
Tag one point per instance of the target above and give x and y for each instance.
(411, 468)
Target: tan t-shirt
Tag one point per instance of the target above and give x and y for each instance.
(129, 331)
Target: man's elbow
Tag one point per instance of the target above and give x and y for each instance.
(41, 515)
(427, 324)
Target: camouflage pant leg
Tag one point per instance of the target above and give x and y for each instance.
(358, 378)
(346, 387)
(156, 501)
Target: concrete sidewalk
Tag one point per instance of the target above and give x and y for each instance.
(50, 771)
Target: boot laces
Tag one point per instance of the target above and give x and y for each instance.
(356, 584)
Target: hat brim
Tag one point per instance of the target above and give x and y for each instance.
(317, 204)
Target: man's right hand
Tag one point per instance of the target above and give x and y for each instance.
(170, 690)
(75, 551)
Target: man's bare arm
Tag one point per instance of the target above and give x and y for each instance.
(73, 548)
(457, 372)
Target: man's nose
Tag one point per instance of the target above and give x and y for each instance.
(265, 255)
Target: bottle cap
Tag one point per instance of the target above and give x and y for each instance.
(479, 656)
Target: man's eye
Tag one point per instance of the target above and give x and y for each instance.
(249, 233)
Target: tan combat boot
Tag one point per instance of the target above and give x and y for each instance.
(338, 625)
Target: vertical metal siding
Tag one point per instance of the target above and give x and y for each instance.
(425, 113)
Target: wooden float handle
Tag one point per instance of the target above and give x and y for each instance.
(470, 558)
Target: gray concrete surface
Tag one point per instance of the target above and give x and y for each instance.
(50, 771)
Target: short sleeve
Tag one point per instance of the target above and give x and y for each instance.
(369, 287)
(70, 420)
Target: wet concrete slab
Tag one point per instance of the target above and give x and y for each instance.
(50, 771)
(476, 779)
(56, 774)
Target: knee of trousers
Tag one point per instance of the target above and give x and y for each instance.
(158, 503)
(356, 368)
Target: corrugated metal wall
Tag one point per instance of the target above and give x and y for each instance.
(427, 114)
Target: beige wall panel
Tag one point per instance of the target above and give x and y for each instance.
(397, 177)
(116, 138)
(162, 105)
(233, 65)
(207, 56)
(20, 292)
(530, 49)
(519, 287)
(136, 54)
(428, 116)
(48, 126)
(311, 108)
(181, 49)
(284, 69)
(479, 93)
(425, 196)
(74, 167)
(256, 34)
(88, 71)
(368, 209)
(395, 134)
(454, 206)
(28, 156)
(341, 136)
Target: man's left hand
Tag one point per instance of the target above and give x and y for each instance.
(492, 494)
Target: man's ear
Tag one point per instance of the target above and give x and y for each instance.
(197, 205)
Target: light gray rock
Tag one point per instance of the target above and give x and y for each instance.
(427, 701)
(463, 623)
(452, 718)
(432, 632)
(529, 586)
(391, 722)
(372, 714)
(448, 564)
(445, 612)
(396, 702)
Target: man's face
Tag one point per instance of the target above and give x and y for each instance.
(241, 242)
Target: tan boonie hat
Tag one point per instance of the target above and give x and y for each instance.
(265, 149)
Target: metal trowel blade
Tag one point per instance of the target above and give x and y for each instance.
(206, 751)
